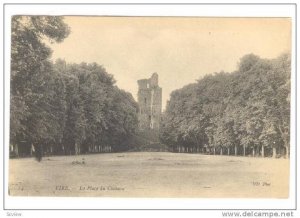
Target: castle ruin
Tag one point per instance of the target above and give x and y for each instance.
(149, 100)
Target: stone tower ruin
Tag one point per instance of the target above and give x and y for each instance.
(149, 100)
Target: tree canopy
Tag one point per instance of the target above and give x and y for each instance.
(240, 111)
(61, 108)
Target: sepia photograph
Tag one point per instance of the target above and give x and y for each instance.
(150, 107)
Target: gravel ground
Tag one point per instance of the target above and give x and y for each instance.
(150, 174)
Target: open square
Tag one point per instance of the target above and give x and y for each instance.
(150, 174)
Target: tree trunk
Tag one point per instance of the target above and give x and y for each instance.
(284, 135)
(31, 150)
(221, 152)
(253, 151)
(235, 150)
(287, 151)
(228, 151)
(274, 153)
(262, 151)
(214, 151)
(17, 150)
(244, 152)
(76, 149)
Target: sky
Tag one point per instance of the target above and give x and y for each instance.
(180, 49)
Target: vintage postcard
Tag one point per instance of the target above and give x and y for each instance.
(150, 106)
(114, 107)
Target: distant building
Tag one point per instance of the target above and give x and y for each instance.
(149, 100)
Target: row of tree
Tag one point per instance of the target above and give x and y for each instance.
(246, 112)
(60, 108)
(65, 108)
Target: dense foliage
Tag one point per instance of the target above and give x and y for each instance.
(246, 112)
(62, 108)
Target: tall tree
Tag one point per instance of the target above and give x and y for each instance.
(32, 118)
(246, 109)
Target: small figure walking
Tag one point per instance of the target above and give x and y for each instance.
(38, 152)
